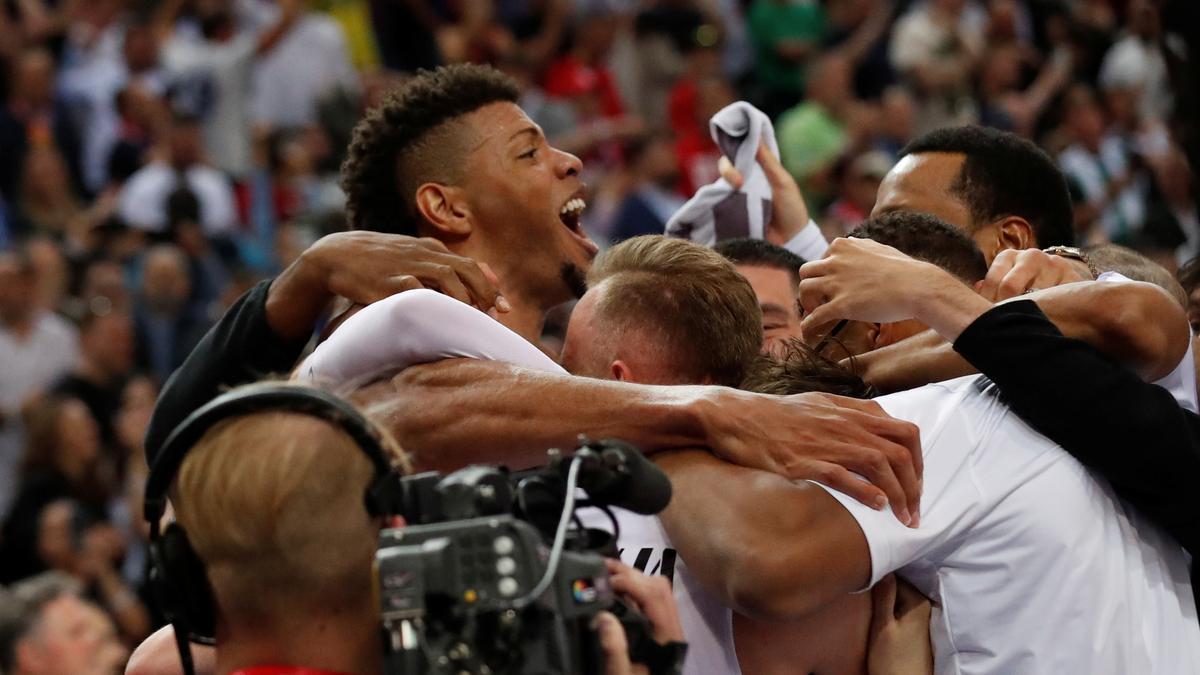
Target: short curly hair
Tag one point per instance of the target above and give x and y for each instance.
(391, 147)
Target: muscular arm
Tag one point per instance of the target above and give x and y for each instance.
(770, 548)
(462, 411)
(1135, 323)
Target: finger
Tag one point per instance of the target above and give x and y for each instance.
(387, 287)
(816, 268)
(883, 604)
(614, 645)
(502, 304)
(875, 420)
(875, 465)
(999, 268)
(434, 245)
(444, 278)
(817, 317)
(813, 293)
(900, 442)
(730, 173)
(484, 293)
(652, 594)
(841, 479)
(1017, 281)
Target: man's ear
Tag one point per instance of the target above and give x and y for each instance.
(621, 371)
(1016, 233)
(885, 335)
(876, 336)
(445, 208)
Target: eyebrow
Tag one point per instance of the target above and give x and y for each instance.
(772, 308)
(532, 131)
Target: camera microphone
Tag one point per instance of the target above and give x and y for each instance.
(618, 474)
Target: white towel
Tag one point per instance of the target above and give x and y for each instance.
(717, 211)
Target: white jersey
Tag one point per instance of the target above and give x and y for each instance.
(423, 326)
(1033, 563)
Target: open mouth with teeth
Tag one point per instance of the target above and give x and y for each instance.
(569, 215)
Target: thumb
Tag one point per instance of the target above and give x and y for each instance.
(614, 644)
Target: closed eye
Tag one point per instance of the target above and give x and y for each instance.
(528, 154)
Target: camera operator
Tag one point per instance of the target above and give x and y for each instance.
(287, 547)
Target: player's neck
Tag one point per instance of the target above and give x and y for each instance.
(526, 319)
(338, 644)
(528, 313)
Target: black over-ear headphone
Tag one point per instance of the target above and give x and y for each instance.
(177, 573)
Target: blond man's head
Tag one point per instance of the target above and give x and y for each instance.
(664, 311)
(273, 504)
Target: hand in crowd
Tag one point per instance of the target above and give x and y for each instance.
(829, 439)
(1015, 273)
(863, 280)
(649, 595)
(789, 212)
(364, 267)
(899, 637)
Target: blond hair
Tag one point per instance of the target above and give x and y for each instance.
(273, 504)
(689, 300)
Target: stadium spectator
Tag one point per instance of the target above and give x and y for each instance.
(167, 325)
(47, 628)
(37, 347)
(143, 199)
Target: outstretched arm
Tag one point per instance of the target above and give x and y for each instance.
(770, 548)
(461, 411)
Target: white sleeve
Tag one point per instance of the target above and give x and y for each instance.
(809, 243)
(951, 501)
(411, 328)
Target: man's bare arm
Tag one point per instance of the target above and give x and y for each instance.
(461, 411)
(770, 548)
(1136, 323)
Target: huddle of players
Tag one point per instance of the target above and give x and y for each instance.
(1028, 557)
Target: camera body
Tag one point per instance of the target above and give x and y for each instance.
(471, 584)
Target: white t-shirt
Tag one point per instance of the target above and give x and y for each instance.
(142, 202)
(217, 77)
(1034, 564)
(423, 326)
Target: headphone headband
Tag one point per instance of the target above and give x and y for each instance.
(177, 573)
(251, 399)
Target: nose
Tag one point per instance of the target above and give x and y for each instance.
(568, 165)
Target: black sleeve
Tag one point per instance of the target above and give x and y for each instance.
(240, 348)
(1133, 433)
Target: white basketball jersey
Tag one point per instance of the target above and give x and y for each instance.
(707, 623)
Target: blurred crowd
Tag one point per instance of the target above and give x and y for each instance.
(158, 157)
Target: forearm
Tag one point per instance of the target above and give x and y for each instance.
(1131, 432)
(778, 563)
(1137, 324)
(911, 363)
(461, 411)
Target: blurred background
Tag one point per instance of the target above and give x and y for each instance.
(158, 158)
